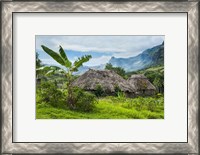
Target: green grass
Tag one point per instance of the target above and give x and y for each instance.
(158, 69)
(109, 108)
(146, 71)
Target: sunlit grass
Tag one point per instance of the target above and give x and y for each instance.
(109, 108)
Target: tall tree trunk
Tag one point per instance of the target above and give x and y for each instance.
(70, 98)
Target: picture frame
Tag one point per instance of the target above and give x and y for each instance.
(9, 8)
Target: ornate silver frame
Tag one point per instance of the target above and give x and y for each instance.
(9, 7)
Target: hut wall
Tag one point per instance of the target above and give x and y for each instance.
(146, 92)
(131, 95)
(150, 92)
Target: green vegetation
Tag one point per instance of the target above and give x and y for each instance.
(47, 92)
(99, 91)
(63, 60)
(109, 108)
(84, 101)
(120, 71)
(117, 90)
(38, 61)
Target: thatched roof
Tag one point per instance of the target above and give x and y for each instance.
(106, 78)
(140, 82)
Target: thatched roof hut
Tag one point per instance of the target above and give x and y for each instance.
(142, 84)
(106, 78)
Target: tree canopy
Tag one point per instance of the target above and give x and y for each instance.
(120, 71)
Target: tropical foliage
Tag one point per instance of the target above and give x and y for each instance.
(67, 70)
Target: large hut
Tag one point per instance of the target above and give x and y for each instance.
(142, 85)
(107, 79)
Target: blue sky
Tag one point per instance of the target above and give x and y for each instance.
(102, 48)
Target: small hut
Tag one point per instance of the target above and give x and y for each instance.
(107, 79)
(142, 85)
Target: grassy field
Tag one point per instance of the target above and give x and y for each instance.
(109, 108)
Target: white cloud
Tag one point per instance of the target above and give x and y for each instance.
(90, 49)
(98, 61)
(49, 62)
(92, 62)
(70, 43)
(102, 44)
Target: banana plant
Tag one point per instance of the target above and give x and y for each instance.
(70, 68)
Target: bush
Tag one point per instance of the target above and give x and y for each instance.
(48, 92)
(121, 96)
(159, 95)
(84, 101)
(117, 90)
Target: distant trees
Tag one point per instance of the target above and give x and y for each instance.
(38, 61)
(38, 65)
(159, 83)
(157, 78)
(120, 71)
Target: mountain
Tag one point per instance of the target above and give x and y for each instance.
(151, 57)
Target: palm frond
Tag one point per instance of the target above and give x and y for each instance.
(48, 70)
(80, 62)
(54, 55)
(64, 56)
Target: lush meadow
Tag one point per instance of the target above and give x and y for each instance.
(55, 106)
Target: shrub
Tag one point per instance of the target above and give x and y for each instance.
(159, 95)
(84, 101)
(48, 92)
(117, 90)
(121, 96)
(99, 91)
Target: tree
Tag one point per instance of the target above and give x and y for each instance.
(157, 78)
(38, 61)
(38, 65)
(158, 82)
(109, 66)
(70, 67)
(120, 71)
